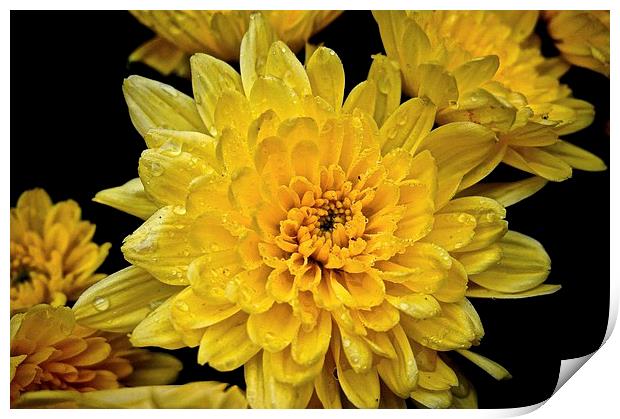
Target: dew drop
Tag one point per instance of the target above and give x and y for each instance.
(156, 169)
(182, 305)
(346, 343)
(171, 148)
(101, 304)
(179, 210)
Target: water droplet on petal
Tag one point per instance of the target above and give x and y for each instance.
(182, 305)
(101, 304)
(156, 169)
(179, 210)
(171, 148)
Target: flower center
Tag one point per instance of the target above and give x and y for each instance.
(324, 223)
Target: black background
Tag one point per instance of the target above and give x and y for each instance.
(71, 134)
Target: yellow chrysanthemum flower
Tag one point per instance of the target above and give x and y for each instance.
(198, 395)
(582, 37)
(52, 256)
(486, 67)
(49, 351)
(303, 242)
(181, 33)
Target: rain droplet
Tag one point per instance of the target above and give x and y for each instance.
(171, 148)
(101, 304)
(182, 305)
(156, 169)
(179, 210)
(346, 343)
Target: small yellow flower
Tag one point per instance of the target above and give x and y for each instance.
(181, 33)
(49, 351)
(303, 238)
(198, 395)
(582, 37)
(52, 256)
(486, 67)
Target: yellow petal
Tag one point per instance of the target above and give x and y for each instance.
(327, 76)
(457, 327)
(129, 198)
(380, 318)
(160, 54)
(226, 345)
(474, 73)
(576, 157)
(270, 93)
(399, 374)
(167, 173)
(254, 49)
(418, 306)
(437, 84)
(326, 387)
(490, 224)
(192, 311)
(539, 162)
(480, 260)
(283, 64)
(265, 392)
(408, 125)
(156, 105)
(452, 231)
(309, 346)
(122, 300)
(543, 289)
(286, 370)
(159, 247)
(210, 79)
(432, 399)
(199, 395)
(458, 148)
(524, 265)
(441, 378)
(156, 369)
(493, 368)
(453, 288)
(482, 107)
(508, 193)
(274, 329)
(357, 352)
(363, 389)
(363, 97)
(386, 76)
(157, 330)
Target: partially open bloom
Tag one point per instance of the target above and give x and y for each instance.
(582, 37)
(486, 67)
(327, 256)
(181, 33)
(198, 395)
(49, 351)
(53, 258)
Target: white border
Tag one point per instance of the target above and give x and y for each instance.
(594, 392)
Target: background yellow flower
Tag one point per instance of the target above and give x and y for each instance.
(181, 33)
(50, 352)
(53, 258)
(582, 37)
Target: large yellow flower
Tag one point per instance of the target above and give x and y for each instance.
(486, 67)
(181, 33)
(52, 256)
(582, 37)
(306, 243)
(50, 352)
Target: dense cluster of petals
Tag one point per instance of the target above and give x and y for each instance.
(49, 351)
(53, 258)
(181, 33)
(487, 67)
